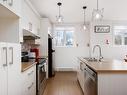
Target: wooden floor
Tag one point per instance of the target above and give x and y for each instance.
(64, 83)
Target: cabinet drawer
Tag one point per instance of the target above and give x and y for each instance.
(29, 75)
(29, 89)
(32, 90)
(29, 82)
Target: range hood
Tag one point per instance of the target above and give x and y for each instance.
(29, 35)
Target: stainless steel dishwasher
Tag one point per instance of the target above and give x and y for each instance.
(90, 86)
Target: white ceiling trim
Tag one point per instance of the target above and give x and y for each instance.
(32, 8)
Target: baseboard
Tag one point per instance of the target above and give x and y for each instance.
(64, 69)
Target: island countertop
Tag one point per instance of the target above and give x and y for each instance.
(109, 66)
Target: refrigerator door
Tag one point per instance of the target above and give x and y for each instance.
(51, 71)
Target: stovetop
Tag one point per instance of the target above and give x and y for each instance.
(42, 60)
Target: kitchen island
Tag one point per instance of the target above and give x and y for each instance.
(108, 77)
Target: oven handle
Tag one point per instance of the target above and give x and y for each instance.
(41, 65)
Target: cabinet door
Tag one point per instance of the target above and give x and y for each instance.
(17, 7)
(3, 69)
(33, 82)
(29, 81)
(26, 15)
(14, 6)
(14, 69)
(3, 2)
(34, 85)
(80, 73)
(33, 89)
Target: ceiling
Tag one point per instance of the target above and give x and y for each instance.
(73, 13)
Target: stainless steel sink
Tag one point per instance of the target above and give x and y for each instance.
(91, 59)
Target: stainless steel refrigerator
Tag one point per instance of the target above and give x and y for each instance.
(51, 71)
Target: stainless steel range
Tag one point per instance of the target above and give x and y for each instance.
(41, 76)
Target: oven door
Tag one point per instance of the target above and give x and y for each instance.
(41, 82)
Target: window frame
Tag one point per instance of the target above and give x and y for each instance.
(64, 29)
(123, 41)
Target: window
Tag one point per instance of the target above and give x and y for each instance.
(64, 36)
(120, 35)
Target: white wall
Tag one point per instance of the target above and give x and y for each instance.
(108, 51)
(66, 57)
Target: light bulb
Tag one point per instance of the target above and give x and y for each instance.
(97, 16)
(84, 27)
(59, 19)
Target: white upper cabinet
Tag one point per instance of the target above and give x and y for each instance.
(30, 20)
(13, 5)
(10, 13)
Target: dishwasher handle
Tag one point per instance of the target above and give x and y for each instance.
(92, 76)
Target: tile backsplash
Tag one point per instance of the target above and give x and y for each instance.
(28, 44)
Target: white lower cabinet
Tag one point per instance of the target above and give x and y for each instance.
(10, 69)
(80, 74)
(29, 81)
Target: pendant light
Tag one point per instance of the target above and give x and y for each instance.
(59, 18)
(97, 13)
(84, 24)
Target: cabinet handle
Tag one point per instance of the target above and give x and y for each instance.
(30, 86)
(11, 2)
(5, 48)
(11, 49)
(30, 73)
(81, 66)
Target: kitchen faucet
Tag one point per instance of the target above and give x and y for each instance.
(100, 56)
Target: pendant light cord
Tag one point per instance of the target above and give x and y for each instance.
(59, 11)
(97, 5)
(84, 8)
(59, 4)
(84, 16)
(59, 17)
